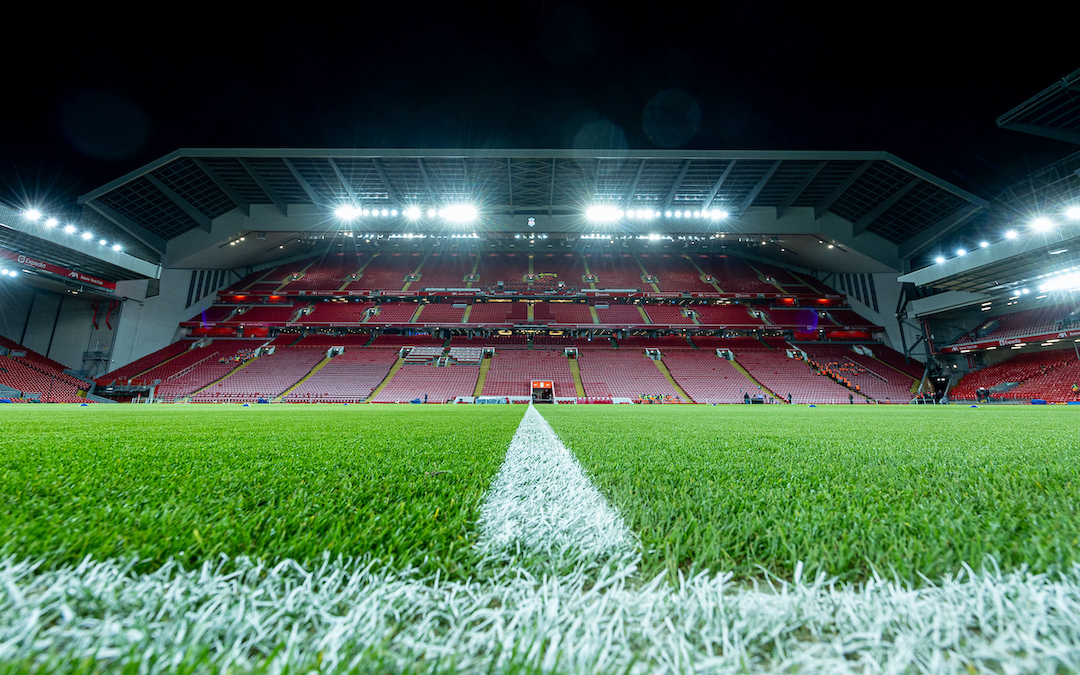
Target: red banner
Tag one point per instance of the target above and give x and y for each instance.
(27, 261)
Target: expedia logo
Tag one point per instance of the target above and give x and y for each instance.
(1002, 343)
(23, 260)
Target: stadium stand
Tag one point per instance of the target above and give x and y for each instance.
(623, 373)
(511, 371)
(349, 377)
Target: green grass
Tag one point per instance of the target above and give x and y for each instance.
(400, 483)
(848, 491)
(845, 490)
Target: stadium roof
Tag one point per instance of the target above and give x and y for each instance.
(869, 202)
(1054, 112)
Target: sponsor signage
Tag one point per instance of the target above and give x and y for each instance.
(33, 263)
(1008, 342)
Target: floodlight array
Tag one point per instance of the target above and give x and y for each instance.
(458, 214)
(1037, 225)
(51, 225)
(607, 213)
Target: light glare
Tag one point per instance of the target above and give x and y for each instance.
(460, 213)
(600, 213)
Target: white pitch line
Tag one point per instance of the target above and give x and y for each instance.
(542, 507)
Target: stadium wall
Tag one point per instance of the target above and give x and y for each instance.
(150, 322)
(55, 325)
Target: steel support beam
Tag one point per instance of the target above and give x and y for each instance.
(145, 236)
(787, 201)
(341, 179)
(931, 235)
(760, 185)
(868, 218)
(232, 194)
(312, 195)
(829, 200)
(189, 209)
(379, 169)
(276, 198)
(716, 186)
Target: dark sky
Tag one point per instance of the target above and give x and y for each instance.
(91, 96)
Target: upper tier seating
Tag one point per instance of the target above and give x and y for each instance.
(329, 273)
(616, 270)
(446, 269)
(733, 274)
(676, 272)
(386, 271)
(668, 315)
(441, 313)
(489, 313)
(566, 267)
(617, 314)
(509, 268)
(729, 316)
(265, 314)
(570, 313)
(348, 313)
(394, 312)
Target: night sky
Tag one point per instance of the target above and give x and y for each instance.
(91, 96)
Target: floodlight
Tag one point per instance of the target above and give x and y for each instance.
(983, 244)
(117, 247)
(32, 214)
(70, 229)
(1042, 224)
(459, 213)
(717, 214)
(431, 213)
(961, 251)
(678, 214)
(1062, 281)
(393, 212)
(602, 214)
(412, 213)
(1073, 213)
(347, 212)
(102, 242)
(87, 235)
(940, 259)
(52, 222)
(385, 212)
(1011, 234)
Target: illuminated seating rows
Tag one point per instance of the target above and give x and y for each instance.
(446, 270)
(783, 375)
(265, 377)
(442, 313)
(349, 377)
(732, 315)
(147, 362)
(669, 315)
(618, 314)
(439, 385)
(1020, 368)
(623, 373)
(265, 314)
(53, 386)
(203, 365)
(337, 312)
(705, 377)
(512, 370)
(615, 270)
(394, 312)
(884, 384)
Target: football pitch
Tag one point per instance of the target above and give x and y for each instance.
(555, 539)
